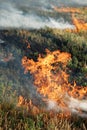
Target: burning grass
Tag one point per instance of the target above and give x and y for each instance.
(78, 21)
(67, 9)
(19, 119)
(79, 24)
(51, 81)
(60, 78)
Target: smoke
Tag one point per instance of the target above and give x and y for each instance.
(60, 3)
(47, 3)
(1, 41)
(16, 19)
(72, 105)
(12, 17)
(77, 106)
(80, 2)
(52, 105)
(60, 23)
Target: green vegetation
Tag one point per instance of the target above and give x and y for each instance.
(83, 15)
(54, 39)
(15, 118)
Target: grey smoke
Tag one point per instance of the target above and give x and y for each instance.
(11, 17)
(73, 105)
(1, 41)
(44, 2)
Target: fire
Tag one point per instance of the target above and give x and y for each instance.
(67, 9)
(51, 79)
(28, 44)
(80, 25)
(45, 71)
(28, 104)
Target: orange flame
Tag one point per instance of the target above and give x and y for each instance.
(28, 105)
(80, 25)
(28, 44)
(51, 79)
(67, 9)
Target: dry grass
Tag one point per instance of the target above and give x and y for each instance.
(13, 118)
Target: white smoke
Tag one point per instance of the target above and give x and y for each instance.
(52, 105)
(11, 17)
(18, 20)
(1, 41)
(60, 23)
(75, 105)
(80, 2)
(72, 105)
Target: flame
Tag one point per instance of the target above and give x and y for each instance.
(22, 102)
(46, 77)
(67, 9)
(28, 44)
(80, 25)
(51, 80)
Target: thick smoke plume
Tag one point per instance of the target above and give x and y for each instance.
(16, 19)
(12, 14)
(13, 17)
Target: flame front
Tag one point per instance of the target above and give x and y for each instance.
(51, 79)
(67, 9)
(48, 77)
(80, 25)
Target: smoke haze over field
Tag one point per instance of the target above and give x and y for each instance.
(14, 18)
(74, 106)
(34, 13)
(45, 2)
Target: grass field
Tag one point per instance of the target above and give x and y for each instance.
(13, 81)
